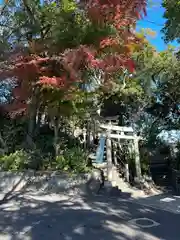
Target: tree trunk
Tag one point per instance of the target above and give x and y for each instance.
(56, 137)
(31, 123)
(30, 133)
(39, 121)
(3, 144)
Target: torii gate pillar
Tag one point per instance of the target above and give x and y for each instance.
(137, 159)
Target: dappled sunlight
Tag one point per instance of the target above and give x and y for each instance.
(87, 217)
(89, 122)
(146, 210)
(167, 199)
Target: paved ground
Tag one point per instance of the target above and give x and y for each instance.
(165, 201)
(54, 217)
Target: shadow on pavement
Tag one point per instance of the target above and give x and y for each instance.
(82, 217)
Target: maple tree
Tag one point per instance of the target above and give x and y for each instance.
(102, 41)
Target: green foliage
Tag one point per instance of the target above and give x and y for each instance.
(47, 25)
(159, 74)
(149, 99)
(22, 160)
(144, 159)
(125, 100)
(172, 25)
(73, 160)
(14, 161)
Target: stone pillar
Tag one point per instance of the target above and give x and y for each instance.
(109, 156)
(137, 159)
(115, 153)
(127, 172)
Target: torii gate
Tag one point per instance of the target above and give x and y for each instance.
(120, 133)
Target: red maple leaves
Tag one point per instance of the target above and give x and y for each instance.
(53, 81)
(120, 13)
(67, 68)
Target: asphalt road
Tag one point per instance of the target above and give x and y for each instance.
(95, 218)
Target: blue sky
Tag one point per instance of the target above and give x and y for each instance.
(155, 15)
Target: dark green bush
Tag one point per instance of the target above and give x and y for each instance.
(74, 159)
(14, 161)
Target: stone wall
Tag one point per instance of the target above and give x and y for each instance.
(48, 182)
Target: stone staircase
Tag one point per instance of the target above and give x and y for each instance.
(116, 183)
(123, 187)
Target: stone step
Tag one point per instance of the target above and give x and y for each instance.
(126, 190)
